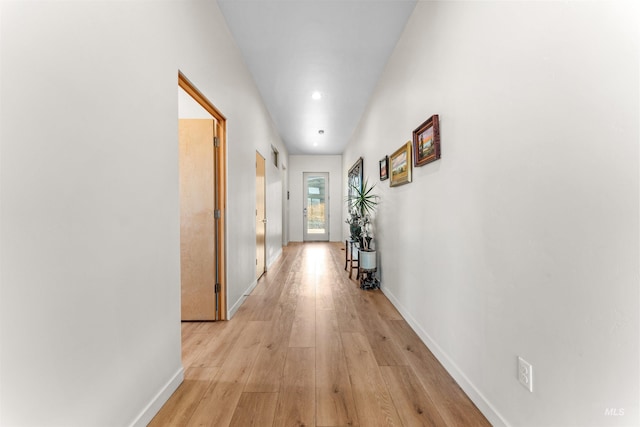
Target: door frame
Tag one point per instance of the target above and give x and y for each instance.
(220, 199)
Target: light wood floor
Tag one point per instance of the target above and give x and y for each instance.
(309, 348)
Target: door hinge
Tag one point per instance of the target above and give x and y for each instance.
(256, 261)
(217, 288)
(216, 214)
(216, 141)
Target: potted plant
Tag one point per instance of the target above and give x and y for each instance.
(362, 203)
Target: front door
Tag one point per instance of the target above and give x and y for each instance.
(261, 216)
(316, 207)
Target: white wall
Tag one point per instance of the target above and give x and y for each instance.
(89, 206)
(285, 204)
(523, 239)
(297, 166)
(274, 209)
(188, 108)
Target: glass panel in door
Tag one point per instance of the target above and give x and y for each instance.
(316, 207)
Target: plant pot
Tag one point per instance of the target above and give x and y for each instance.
(368, 260)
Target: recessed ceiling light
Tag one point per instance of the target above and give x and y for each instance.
(316, 95)
(315, 144)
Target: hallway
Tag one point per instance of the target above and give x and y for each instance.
(309, 348)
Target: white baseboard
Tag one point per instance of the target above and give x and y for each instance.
(251, 287)
(238, 303)
(159, 399)
(467, 386)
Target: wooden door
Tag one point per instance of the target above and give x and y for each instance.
(261, 217)
(197, 222)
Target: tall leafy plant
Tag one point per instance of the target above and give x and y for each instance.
(362, 203)
(362, 199)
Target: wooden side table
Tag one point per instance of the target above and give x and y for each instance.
(350, 261)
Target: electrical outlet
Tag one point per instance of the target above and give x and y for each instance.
(525, 374)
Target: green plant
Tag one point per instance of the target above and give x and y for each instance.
(362, 199)
(362, 204)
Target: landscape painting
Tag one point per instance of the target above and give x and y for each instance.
(400, 163)
(426, 142)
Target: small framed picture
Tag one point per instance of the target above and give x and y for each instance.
(400, 165)
(426, 142)
(384, 168)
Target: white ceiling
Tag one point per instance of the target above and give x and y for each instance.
(296, 47)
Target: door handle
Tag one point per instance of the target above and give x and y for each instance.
(264, 220)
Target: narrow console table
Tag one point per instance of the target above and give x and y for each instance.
(351, 260)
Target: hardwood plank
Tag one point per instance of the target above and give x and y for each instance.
(187, 328)
(383, 306)
(255, 409)
(350, 286)
(414, 406)
(454, 405)
(293, 285)
(324, 296)
(385, 349)
(296, 401)
(216, 349)
(348, 320)
(180, 406)
(206, 327)
(266, 375)
(303, 331)
(261, 309)
(219, 402)
(373, 403)
(334, 396)
(271, 286)
(288, 297)
(273, 275)
(307, 285)
(192, 345)
(246, 310)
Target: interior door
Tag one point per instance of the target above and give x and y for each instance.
(316, 207)
(197, 223)
(261, 217)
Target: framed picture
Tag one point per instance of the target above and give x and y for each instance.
(354, 178)
(384, 168)
(426, 142)
(400, 165)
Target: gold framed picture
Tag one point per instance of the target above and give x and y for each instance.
(400, 165)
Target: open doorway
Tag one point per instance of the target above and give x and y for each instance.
(202, 149)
